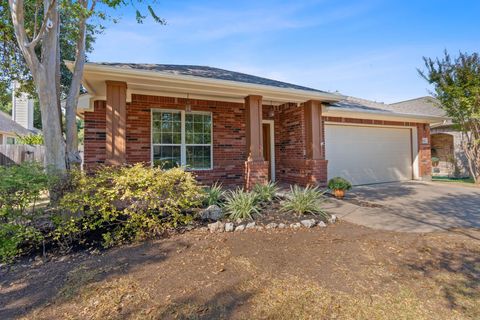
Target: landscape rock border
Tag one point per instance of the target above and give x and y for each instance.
(218, 227)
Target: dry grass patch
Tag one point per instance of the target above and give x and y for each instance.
(296, 299)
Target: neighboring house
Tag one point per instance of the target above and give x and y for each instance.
(9, 129)
(21, 121)
(446, 142)
(240, 129)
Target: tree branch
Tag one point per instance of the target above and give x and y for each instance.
(43, 27)
(18, 20)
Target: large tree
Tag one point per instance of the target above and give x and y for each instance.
(456, 83)
(39, 28)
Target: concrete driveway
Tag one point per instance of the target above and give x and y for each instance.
(411, 206)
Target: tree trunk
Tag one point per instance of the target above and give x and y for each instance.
(73, 156)
(46, 85)
(44, 72)
(473, 155)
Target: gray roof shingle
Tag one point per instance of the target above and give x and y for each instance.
(10, 126)
(207, 72)
(357, 104)
(424, 105)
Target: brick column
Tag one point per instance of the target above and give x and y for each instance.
(315, 168)
(116, 124)
(424, 152)
(256, 168)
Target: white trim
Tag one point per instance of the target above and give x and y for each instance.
(183, 144)
(379, 115)
(272, 147)
(416, 151)
(413, 143)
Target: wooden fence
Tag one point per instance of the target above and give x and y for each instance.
(17, 153)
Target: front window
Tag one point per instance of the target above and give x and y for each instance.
(182, 139)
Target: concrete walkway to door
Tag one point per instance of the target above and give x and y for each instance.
(410, 206)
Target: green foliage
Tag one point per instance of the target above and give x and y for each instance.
(214, 195)
(21, 186)
(304, 201)
(20, 189)
(339, 183)
(265, 192)
(126, 204)
(31, 139)
(241, 205)
(457, 87)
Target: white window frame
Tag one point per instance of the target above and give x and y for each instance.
(183, 145)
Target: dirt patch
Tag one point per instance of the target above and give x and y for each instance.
(336, 272)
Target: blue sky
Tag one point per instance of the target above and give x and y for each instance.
(369, 49)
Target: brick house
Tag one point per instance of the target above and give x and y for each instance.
(240, 129)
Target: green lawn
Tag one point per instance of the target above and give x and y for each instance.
(449, 179)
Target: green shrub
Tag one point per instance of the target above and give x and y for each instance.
(339, 183)
(213, 195)
(31, 139)
(126, 204)
(304, 201)
(21, 187)
(265, 192)
(241, 205)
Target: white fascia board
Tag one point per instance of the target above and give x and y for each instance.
(374, 115)
(225, 85)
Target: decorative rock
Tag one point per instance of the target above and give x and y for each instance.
(271, 225)
(250, 225)
(333, 219)
(295, 225)
(216, 227)
(321, 224)
(308, 223)
(213, 212)
(229, 227)
(240, 228)
(282, 225)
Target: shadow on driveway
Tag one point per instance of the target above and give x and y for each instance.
(412, 207)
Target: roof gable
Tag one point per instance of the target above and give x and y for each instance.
(424, 105)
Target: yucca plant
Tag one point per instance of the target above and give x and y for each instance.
(214, 195)
(304, 201)
(265, 192)
(241, 205)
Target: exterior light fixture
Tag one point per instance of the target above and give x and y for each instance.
(188, 106)
(271, 112)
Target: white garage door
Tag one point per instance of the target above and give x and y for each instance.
(366, 155)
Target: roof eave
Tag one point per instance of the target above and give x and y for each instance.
(380, 115)
(221, 84)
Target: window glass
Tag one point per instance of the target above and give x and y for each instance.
(167, 139)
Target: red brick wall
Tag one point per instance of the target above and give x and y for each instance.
(229, 140)
(229, 153)
(95, 135)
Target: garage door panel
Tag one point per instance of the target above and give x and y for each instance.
(366, 155)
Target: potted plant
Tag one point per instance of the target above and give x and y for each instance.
(435, 161)
(339, 185)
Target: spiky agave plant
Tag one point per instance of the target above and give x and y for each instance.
(304, 201)
(241, 205)
(265, 192)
